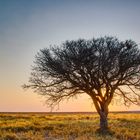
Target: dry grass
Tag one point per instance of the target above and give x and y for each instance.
(31, 126)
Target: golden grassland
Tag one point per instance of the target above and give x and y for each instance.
(67, 126)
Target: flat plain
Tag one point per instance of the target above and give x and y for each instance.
(68, 126)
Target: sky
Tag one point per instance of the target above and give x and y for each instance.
(26, 26)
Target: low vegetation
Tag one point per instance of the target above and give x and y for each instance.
(67, 126)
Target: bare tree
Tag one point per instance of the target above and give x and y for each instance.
(102, 68)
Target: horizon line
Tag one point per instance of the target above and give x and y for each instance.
(71, 112)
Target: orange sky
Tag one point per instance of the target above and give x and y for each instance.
(15, 99)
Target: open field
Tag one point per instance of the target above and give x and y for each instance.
(67, 126)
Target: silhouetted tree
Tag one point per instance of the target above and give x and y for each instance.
(102, 68)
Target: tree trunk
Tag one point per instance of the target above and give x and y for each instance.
(103, 121)
(102, 109)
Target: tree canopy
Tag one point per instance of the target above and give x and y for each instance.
(102, 68)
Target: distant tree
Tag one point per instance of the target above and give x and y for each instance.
(102, 68)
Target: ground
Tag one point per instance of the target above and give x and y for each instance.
(67, 126)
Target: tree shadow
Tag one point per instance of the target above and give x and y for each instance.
(105, 132)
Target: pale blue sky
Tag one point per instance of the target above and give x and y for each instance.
(26, 26)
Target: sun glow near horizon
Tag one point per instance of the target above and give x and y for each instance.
(27, 101)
